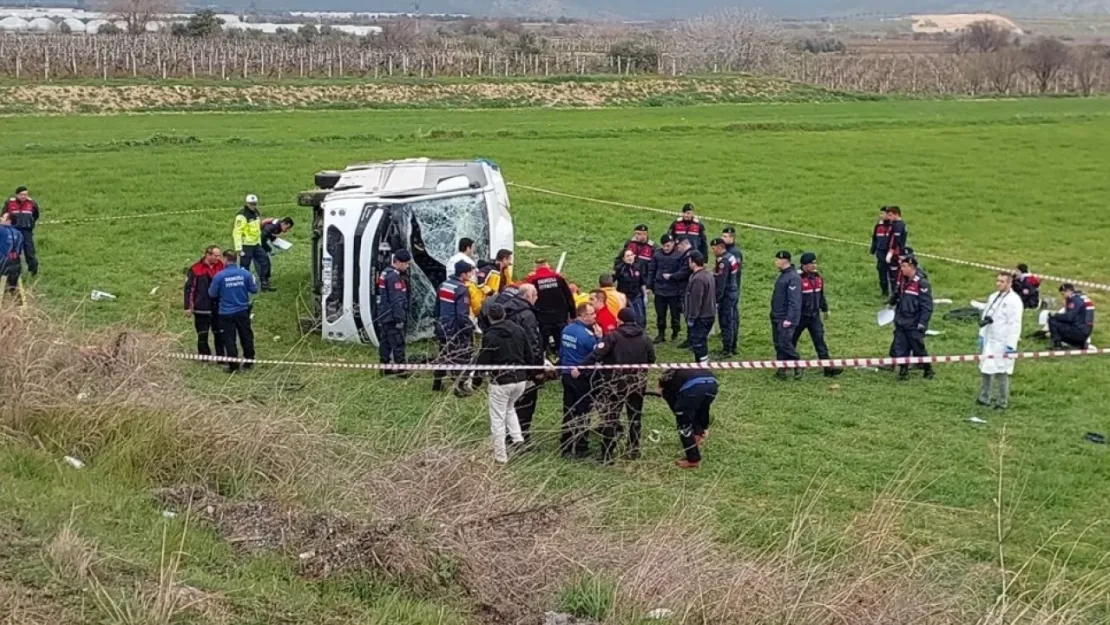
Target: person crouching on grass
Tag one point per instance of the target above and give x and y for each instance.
(689, 393)
(504, 345)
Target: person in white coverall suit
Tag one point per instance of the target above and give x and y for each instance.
(999, 331)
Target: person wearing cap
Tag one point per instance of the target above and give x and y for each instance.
(394, 302)
(688, 228)
(643, 249)
(505, 347)
(453, 328)
(632, 283)
(999, 333)
(814, 306)
(880, 245)
(689, 393)
(913, 310)
(667, 278)
(726, 275)
(11, 245)
(1075, 324)
(246, 235)
(24, 214)
(271, 230)
(1027, 286)
(554, 304)
(619, 390)
(232, 288)
(786, 311)
(700, 306)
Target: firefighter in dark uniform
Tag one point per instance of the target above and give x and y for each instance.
(814, 307)
(394, 300)
(24, 214)
(621, 390)
(1073, 326)
(554, 306)
(689, 393)
(786, 311)
(453, 328)
(727, 276)
(688, 228)
(913, 309)
(880, 245)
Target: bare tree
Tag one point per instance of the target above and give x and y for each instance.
(1001, 69)
(398, 36)
(984, 36)
(137, 14)
(738, 39)
(1045, 57)
(1087, 65)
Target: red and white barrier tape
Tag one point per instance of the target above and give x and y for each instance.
(724, 365)
(807, 235)
(195, 211)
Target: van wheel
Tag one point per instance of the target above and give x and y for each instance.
(327, 179)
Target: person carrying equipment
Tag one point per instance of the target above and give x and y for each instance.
(786, 311)
(271, 230)
(498, 275)
(246, 235)
(11, 245)
(554, 303)
(453, 328)
(203, 309)
(1073, 326)
(667, 279)
(232, 288)
(577, 342)
(814, 307)
(394, 301)
(688, 228)
(24, 215)
(726, 275)
(689, 393)
(914, 309)
(632, 283)
(621, 390)
(701, 307)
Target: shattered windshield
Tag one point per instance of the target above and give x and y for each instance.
(439, 224)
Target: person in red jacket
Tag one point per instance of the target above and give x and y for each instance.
(198, 305)
(24, 213)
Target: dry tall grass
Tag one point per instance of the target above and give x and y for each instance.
(442, 520)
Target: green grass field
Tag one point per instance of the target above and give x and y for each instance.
(999, 182)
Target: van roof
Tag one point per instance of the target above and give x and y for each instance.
(406, 178)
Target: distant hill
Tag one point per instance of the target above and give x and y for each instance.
(652, 9)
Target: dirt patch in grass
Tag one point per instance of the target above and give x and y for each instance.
(652, 92)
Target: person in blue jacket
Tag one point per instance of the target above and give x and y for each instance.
(233, 288)
(11, 244)
(578, 341)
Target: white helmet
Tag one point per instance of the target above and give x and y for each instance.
(252, 199)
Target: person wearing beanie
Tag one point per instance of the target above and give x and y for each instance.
(23, 213)
(453, 329)
(814, 307)
(786, 311)
(667, 278)
(616, 390)
(688, 228)
(913, 310)
(394, 303)
(726, 275)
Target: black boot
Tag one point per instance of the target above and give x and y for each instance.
(798, 373)
(674, 335)
(929, 372)
(661, 337)
(781, 374)
(832, 372)
(903, 372)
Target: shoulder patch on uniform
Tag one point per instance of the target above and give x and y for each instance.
(399, 285)
(600, 345)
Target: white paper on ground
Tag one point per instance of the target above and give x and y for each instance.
(74, 462)
(942, 301)
(934, 332)
(885, 317)
(98, 296)
(281, 244)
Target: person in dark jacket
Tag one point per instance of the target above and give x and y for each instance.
(505, 346)
(24, 214)
(453, 328)
(732, 246)
(11, 246)
(519, 308)
(689, 393)
(632, 282)
(667, 279)
(726, 277)
(232, 288)
(394, 301)
(1027, 286)
(814, 307)
(701, 307)
(1073, 326)
(786, 311)
(896, 244)
(621, 390)
(913, 309)
(643, 249)
(203, 309)
(271, 229)
(578, 342)
(880, 245)
(688, 228)
(555, 303)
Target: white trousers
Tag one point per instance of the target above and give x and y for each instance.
(502, 415)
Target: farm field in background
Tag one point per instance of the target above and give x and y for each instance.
(1000, 182)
